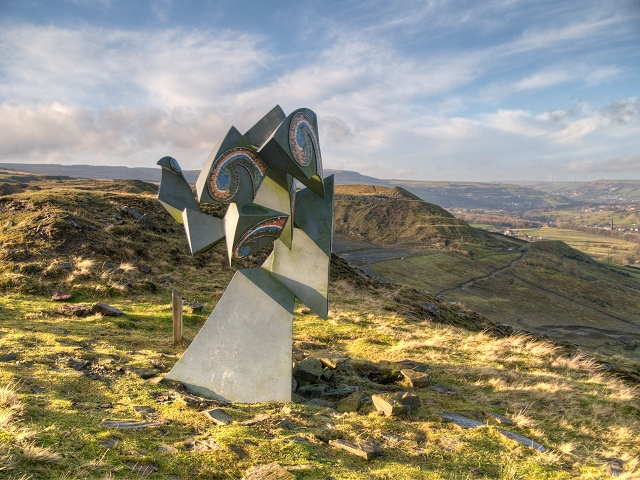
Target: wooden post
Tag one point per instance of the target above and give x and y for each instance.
(176, 308)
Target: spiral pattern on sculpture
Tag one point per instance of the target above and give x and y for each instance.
(303, 140)
(224, 181)
(248, 243)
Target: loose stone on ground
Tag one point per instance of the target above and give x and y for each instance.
(73, 310)
(522, 440)
(9, 357)
(460, 420)
(60, 296)
(217, 415)
(309, 369)
(415, 379)
(256, 419)
(366, 450)
(350, 403)
(395, 404)
(329, 359)
(106, 310)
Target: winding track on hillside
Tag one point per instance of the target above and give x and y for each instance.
(491, 274)
(496, 271)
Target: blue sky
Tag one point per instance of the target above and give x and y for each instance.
(431, 90)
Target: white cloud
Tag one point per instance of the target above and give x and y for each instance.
(89, 66)
(543, 80)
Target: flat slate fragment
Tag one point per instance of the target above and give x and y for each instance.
(256, 419)
(340, 392)
(144, 373)
(366, 450)
(497, 418)
(9, 357)
(460, 420)
(271, 471)
(217, 415)
(523, 440)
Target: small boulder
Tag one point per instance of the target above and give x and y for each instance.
(192, 307)
(256, 419)
(350, 403)
(416, 379)
(204, 445)
(312, 391)
(395, 404)
(106, 310)
(366, 450)
(431, 308)
(167, 449)
(60, 296)
(329, 359)
(309, 369)
(340, 392)
(145, 269)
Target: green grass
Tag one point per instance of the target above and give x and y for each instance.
(442, 270)
(592, 305)
(599, 247)
(513, 376)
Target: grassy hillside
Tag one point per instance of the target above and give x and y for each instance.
(394, 216)
(548, 288)
(62, 377)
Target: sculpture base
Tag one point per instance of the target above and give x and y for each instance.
(243, 352)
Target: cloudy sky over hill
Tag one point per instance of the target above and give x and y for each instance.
(430, 90)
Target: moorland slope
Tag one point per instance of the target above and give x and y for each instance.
(66, 383)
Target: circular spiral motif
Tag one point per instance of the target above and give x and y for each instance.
(224, 181)
(248, 243)
(175, 165)
(303, 140)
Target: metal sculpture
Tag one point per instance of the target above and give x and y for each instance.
(243, 352)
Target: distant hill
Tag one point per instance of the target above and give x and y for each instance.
(510, 197)
(147, 174)
(600, 191)
(395, 216)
